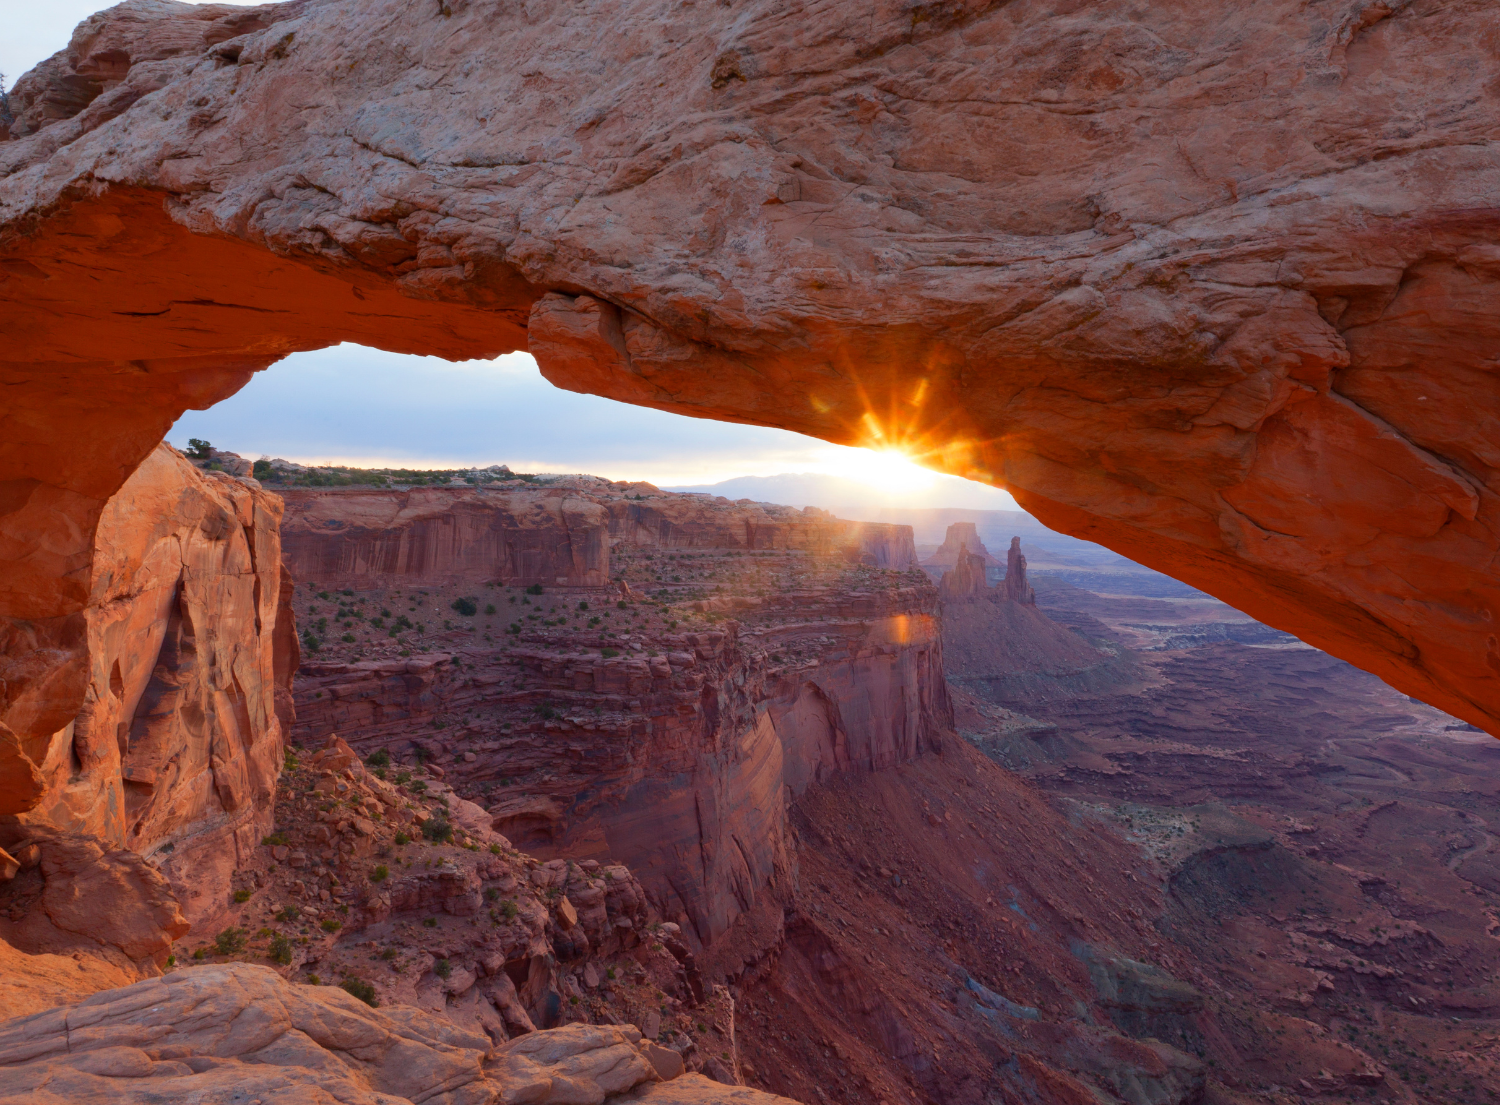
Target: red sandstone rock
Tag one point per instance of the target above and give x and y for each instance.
(1188, 285)
(151, 721)
(83, 896)
(559, 534)
(961, 536)
(1015, 588)
(186, 1037)
(675, 763)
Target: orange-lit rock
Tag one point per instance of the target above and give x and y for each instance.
(149, 719)
(1215, 288)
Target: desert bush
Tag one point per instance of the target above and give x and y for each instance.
(361, 989)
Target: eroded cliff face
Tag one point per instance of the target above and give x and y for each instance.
(665, 720)
(378, 539)
(1211, 289)
(999, 646)
(151, 723)
(559, 532)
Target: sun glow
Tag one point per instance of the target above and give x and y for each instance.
(884, 469)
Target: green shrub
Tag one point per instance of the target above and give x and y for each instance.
(437, 829)
(229, 942)
(378, 758)
(489, 608)
(430, 922)
(466, 607)
(261, 469)
(288, 914)
(402, 838)
(583, 606)
(510, 909)
(198, 449)
(330, 925)
(622, 605)
(491, 894)
(314, 980)
(443, 969)
(347, 638)
(242, 895)
(281, 950)
(275, 839)
(534, 589)
(608, 652)
(380, 874)
(361, 989)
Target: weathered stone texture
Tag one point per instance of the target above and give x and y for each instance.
(1214, 285)
(149, 719)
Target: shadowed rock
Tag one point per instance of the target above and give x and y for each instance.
(1214, 292)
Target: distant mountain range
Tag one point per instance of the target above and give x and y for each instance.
(852, 498)
(929, 514)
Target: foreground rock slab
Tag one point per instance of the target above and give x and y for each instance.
(241, 1033)
(1213, 285)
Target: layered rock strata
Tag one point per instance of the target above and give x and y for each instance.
(557, 533)
(665, 734)
(1197, 291)
(961, 537)
(153, 719)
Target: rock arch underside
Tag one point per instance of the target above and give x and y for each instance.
(1217, 286)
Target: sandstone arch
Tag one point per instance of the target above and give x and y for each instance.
(1215, 286)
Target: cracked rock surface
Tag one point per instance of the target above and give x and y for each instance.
(1216, 288)
(240, 1033)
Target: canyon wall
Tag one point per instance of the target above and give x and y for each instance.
(1204, 283)
(369, 539)
(154, 720)
(558, 532)
(673, 746)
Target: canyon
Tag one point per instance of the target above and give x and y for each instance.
(1260, 366)
(1120, 795)
(557, 790)
(746, 778)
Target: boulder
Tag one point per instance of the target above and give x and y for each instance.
(238, 1032)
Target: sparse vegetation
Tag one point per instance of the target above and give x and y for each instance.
(361, 989)
(230, 941)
